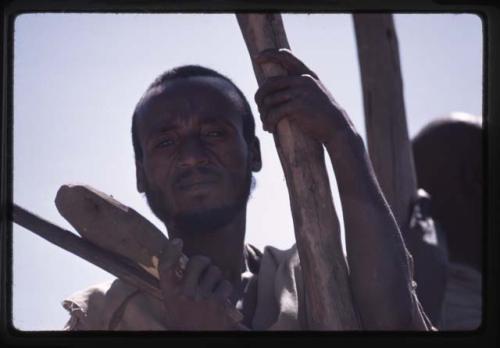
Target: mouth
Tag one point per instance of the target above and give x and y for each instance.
(196, 185)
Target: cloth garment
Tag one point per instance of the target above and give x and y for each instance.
(449, 292)
(115, 305)
(462, 305)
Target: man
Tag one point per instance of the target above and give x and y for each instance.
(195, 148)
(448, 162)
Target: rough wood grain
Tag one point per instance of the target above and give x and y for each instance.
(118, 228)
(328, 298)
(385, 120)
(111, 225)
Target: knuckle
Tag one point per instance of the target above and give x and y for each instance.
(307, 79)
(286, 54)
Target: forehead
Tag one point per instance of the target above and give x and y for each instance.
(191, 99)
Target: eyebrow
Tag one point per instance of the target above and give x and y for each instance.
(163, 129)
(217, 120)
(172, 126)
(223, 121)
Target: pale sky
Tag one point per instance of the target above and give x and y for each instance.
(78, 77)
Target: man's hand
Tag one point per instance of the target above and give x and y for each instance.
(300, 97)
(195, 299)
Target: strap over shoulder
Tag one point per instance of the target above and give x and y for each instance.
(93, 308)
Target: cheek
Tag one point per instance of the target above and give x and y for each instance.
(239, 173)
(236, 157)
(157, 172)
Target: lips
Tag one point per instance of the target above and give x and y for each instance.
(193, 185)
(199, 178)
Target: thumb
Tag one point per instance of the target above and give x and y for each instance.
(286, 59)
(169, 266)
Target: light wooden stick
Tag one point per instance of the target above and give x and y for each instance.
(116, 260)
(328, 298)
(387, 134)
(114, 264)
(115, 227)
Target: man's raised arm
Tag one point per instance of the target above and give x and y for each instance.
(381, 273)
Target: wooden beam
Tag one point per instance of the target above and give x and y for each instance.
(114, 263)
(385, 120)
(328, 297)
(111, 225)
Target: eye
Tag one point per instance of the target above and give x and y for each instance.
(166, 142)
(214, 133)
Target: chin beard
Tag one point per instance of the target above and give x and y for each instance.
(208, 220)
(204, 221)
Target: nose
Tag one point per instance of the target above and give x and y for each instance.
(192, 153)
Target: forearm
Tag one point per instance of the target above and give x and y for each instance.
(378, 261)
(379, 266)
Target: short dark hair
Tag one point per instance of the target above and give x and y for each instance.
(186, 71)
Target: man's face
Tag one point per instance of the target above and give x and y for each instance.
(196, 165)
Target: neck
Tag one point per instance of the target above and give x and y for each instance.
(224, 246)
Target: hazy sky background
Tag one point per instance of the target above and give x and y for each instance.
(78, 77)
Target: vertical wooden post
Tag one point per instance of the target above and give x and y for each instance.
(328, 298)
(388, 142)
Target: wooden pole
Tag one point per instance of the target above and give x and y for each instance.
(328, 297)
(114, 264)
(385, 120)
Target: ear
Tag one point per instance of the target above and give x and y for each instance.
(255, 156)
(139, 175)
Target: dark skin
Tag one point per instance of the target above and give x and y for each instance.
(378, 261)
(192, 124)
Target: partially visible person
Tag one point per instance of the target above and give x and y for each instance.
(427, 244)
(448, 162)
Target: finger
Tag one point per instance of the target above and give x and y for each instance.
(286, 59)
(273, 85)
(272, 100)
(167, 263)
(210, 279)
(195, 268)
(276, 114)
(223, 291)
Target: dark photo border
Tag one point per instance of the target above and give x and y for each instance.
(487, 334)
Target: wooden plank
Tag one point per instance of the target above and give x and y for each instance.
(385, 119)
(115, 227)
(112, 225)
(328, 298)
(119, 260)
